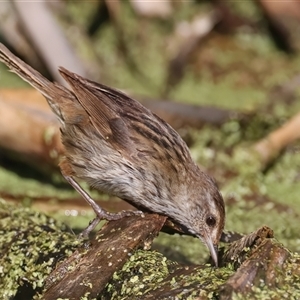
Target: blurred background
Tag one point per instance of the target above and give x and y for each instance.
(225, 74)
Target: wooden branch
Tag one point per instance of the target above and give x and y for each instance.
(34, 246)
(237, 251)
(195, 116)
(259, 258)
(283, 19)
(43, 35)
(28, 129)
(107, 252)
(270, 147)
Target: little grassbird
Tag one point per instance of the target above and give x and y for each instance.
(120, 147)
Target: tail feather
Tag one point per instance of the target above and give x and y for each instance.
(49, 89)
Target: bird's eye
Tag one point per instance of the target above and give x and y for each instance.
(211, 221)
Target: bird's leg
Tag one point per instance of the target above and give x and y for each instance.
(100, 212)
(85, 233)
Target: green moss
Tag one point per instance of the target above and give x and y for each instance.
(148, 271)
(139, 274)
(30, 245)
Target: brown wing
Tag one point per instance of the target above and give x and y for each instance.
(104, 113)
(131, 128)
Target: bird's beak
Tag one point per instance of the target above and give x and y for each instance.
(213, 249)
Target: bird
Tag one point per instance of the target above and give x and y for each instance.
(120, 147)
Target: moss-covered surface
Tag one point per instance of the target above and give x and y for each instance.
(238, 72)
(147, 272)
(287, 284)
(31, 244)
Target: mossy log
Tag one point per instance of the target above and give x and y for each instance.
(42, 259)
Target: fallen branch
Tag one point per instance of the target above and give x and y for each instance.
(259, 259)
(269, 147)
(38, 259)
(106, 253)
(42, 36)
(28, 130)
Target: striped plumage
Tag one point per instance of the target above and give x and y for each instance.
(120, 147)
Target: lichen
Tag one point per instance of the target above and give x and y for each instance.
(148, 271)
(30, 246)
(141, 272)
